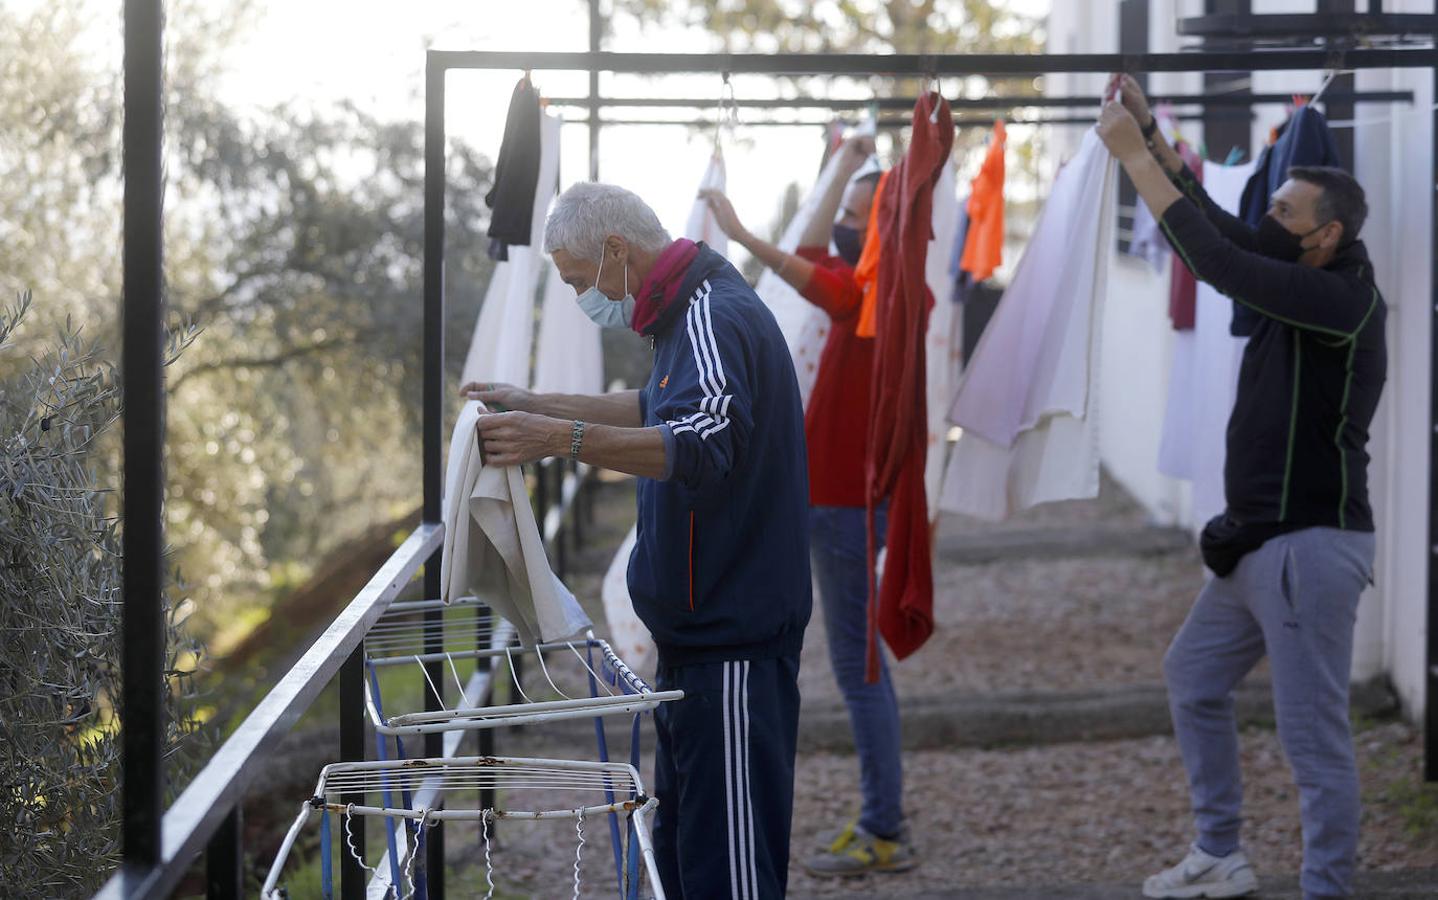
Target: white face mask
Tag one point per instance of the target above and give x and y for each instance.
(605, 312)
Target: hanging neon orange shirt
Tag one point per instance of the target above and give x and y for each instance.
(984, 247)
(866, 273)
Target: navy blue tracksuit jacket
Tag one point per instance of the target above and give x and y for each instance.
(720, 575)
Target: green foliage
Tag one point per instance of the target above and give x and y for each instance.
(293, 238)
(60, 580)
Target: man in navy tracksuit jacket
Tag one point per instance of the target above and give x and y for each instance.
(720, 571)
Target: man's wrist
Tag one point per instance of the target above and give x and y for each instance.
(560, 438)
(1136, 160)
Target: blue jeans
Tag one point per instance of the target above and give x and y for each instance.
(1294, 599)
(838, 544)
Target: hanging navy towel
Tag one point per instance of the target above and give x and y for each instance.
(1304, 141)
(516, 174)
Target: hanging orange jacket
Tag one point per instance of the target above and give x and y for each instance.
(903, 610)
(866, 273)
(984, 246)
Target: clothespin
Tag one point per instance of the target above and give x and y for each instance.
(933, 88)
(1235, 153)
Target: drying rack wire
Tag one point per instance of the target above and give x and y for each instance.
(387, 789)
(585, 675)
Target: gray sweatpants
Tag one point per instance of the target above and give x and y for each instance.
(1295, 598)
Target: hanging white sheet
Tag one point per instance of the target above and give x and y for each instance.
(503, 338)
(702, 225)
(630, 639)
(1217, 356)
(804, 325)
(1028, 400)
(570, 355)
(492, 546)
(1178, 442)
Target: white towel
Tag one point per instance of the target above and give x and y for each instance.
(1028, 400)
(492, 546)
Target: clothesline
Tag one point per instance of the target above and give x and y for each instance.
(1380, 120)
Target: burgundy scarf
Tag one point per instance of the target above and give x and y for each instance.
(661, 285)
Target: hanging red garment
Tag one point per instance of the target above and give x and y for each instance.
(866, 272)
(903, 610)
(1182, 286)
(984, 245)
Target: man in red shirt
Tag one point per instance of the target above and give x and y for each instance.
(836, 425)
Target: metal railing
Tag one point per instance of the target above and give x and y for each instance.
(208, 806)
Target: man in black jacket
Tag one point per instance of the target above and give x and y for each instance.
(1295, 546)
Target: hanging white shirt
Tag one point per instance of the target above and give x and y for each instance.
(1028, 401)
(492, 546)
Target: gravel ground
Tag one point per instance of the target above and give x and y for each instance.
(1110, 812)
(1096, 813)
(1064, 814)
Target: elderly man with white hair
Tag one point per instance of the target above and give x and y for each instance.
(720, 571)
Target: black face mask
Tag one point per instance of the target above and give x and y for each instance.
(1277, 242)
(849, 242)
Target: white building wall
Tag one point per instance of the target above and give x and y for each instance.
(1394, 164)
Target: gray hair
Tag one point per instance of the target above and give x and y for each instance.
(589, 212)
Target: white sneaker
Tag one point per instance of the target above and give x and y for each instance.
(1201, 875)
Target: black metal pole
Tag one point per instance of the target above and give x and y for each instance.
(352, 749)
(1244, 99)
(143, 404)
(434, 188)
(1430, 695)
(595, 31)
(224, 860)
(865, 65)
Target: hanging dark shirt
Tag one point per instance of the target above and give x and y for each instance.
(516, 174)
(1309, 384)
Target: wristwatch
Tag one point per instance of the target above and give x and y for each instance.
(1149, 129)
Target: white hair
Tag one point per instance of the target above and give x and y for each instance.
(589, 212)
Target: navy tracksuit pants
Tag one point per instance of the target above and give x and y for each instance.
(724, 777)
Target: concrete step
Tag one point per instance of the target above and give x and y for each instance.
(990, 720)
(971, 548)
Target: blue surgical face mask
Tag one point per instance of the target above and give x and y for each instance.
(605, 312)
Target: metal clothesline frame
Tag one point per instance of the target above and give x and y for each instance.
(160, 845)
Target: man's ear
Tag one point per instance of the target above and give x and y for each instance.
(616, 248)
(1332, 234)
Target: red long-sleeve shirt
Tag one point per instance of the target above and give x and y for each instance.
(836, 424)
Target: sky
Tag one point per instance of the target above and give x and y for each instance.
(372, 53)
